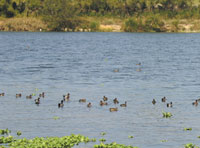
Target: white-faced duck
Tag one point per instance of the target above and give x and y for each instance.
(113, 109)
(82, 100)
(116, 101)
(105, 98)
(29, 97)
(123, 105)
(163, 99)
(18, 95)
(89, 105)
(154, 102)
(169, 104)
(41, 95)
(66, 97)
(2, 94)
(37, 101)
(195, 103)
(102, 103)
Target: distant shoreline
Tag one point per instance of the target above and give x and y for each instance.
(32, 24)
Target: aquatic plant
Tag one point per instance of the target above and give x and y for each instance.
(19, 133)
(112, 145)
(167, 114)
(50, 142)
(56, 117)
(187, 129)
(130, 137)
(190, 145)
(4, 131)
(163, 140)
(103, 133)
(102, 140)
(5, 140)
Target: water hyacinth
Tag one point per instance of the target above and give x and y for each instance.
(4, 131)
(112, 145)
(190, 145)
(167, 114)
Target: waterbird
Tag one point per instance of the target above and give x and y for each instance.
(37, 101)
(195, 103)
(138, 63)
(105, 98)
(123, 105)
(102, 103)
(169, 104)
(82, 100)
(29, 97)
(66, 97)
(41, 95)
(115, 101)
(2, 94)
(60, 105)
(89, 105)
(18, 95)
(154, 102)
(163, 99)
(113, 109)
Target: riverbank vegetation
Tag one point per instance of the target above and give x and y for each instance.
(100, 15)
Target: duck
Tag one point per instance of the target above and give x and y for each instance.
(123, 105)
(105, 98)
(41, 95)
(66, 97)
(116, 101)
(169, 104)
(154, 102)
(116, 70)
(29, 97)
(2, 94)
(37, 101)
(138, 63)
(60, 105)
(89, 105)
(163, 99)
(195, 103)
(113, 109)
(103, 103)
(82, 100)
(18, 95)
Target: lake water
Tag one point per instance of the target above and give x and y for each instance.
(84, 65)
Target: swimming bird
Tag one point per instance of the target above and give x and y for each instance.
(41, 95)
(115, 101)
(113, 109)
(18, 95)
(29, 97)
(82, 100)
(195, 103)
(169, 104)
(66, 97)
(60, 105)
(123, 105)
(2, 94)
(138, 63)
(103, 103)
(37, 101)
(89, 105)
(163, 99)
(105, 98)
(154, 102)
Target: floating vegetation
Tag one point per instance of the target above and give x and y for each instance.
(50, 142)
(6, 140)
(56, 117)
(102, 140)
(4, 131)
(103, 133)
(190, 145)
(19, 133)
(187, 129)
(130, 137)
(198, 137)
(167, 114)
(112, 145)
(163, 140)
